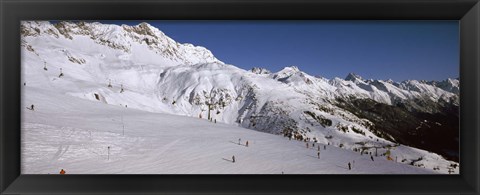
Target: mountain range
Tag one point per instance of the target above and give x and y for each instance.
(139, 67)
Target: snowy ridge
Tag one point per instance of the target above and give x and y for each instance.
(149, 71)
(122, 38)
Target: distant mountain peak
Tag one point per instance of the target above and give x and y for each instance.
(288, 71)
(144, 29)
(450, 85)
(353, 77)
(258, 70)
(292, 68)
(144, 25)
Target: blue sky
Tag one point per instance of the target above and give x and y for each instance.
(400, 50)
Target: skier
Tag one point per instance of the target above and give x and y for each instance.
(61, 73)
(215, 120)
(318, 155)
(233, 158)
(349, 166)
(306, 144)
(318, 148)
(246, 144)
(108, 154)
(24, 84)
(371, 157)
(239, 140)
(313, 145)
(45, 66)
(121, 88)
(62, 172)
(32, 107)
(324, 147)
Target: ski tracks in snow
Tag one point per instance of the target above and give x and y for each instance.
(166, 147)
(61, 151)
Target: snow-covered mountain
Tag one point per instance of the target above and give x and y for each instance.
(140, 67)
(124, 38)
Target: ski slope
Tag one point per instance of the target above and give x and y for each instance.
(73, 134)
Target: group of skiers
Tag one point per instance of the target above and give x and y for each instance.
(318, 148)
(46, 69)
(349, 164)
(111, 86)
(239, 143)
(240, 140)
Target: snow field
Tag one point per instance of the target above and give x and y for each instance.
(156, 143)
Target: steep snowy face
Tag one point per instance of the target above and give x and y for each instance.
(354, 77)
(125, 38)
(450, 85)
(140, 67)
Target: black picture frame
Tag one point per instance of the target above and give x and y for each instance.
(13, 11)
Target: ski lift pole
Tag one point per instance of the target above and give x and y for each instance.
(123, 127)
(108, 153)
